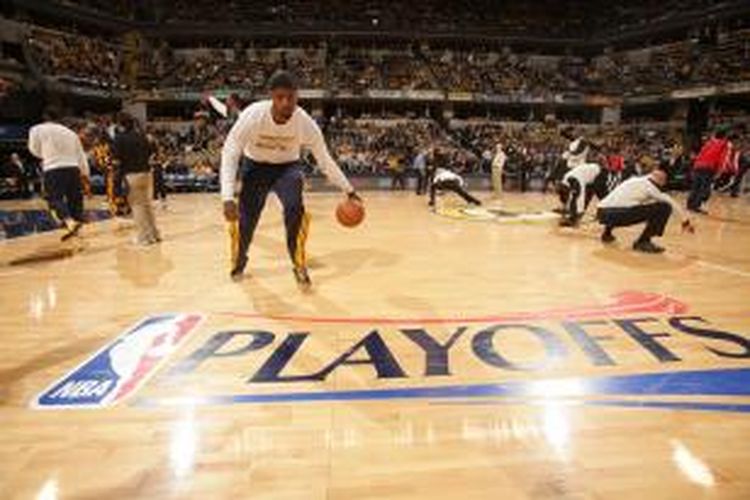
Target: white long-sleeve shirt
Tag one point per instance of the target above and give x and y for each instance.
(58, 147)
(443, 174)
(638, 191)
(584, 174)
(576, 153)
(257, 136)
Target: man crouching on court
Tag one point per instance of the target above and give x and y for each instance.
(267, 137)
(640, 200)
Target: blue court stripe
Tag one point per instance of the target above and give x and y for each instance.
(722, 382)
(627, 403)
(676, 405)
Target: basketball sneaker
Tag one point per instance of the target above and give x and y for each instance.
(647, 247)
(303, 278)
(73, 230)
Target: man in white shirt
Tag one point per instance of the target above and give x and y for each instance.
(445, 180)
(636, 200)
(63, 164)
(578, 187)
(267, 137)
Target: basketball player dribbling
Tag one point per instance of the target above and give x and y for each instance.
(267, 138)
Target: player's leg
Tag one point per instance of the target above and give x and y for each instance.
(288, 187)
(456, 187)
(701, 181)
(71, 184)
(655, 215)
(55, 195)
(571, 215)
(64, 202)
(612, 218)
(433, 189)
(74, 195)
(256, 182)
(707, 187)
(563, 193)
(603, 184)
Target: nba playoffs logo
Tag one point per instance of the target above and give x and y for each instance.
(121, 367)
(509, 358)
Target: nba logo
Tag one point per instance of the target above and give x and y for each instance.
(122, 366)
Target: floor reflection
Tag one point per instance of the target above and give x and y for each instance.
(16, 223)
(690, 465)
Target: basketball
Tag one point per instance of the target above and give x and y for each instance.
(350, 213)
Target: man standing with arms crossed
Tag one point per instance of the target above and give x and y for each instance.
(267, 138)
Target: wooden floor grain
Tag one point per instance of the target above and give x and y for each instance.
(540, 426)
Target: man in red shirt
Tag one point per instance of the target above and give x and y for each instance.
(710, 160)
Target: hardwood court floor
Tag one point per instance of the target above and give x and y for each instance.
(435, 358)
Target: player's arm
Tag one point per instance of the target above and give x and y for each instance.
(326, 163)
(33, 143)
(231, 153)
(658, 195)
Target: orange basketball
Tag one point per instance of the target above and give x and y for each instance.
(350, 213)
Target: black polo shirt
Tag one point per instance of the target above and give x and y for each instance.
(132, 149)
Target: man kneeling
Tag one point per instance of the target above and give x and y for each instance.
(640, 199)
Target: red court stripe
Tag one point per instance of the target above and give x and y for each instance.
(624, 303)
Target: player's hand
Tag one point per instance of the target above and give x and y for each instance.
(688, 226)
(353, 196)
(231, 213)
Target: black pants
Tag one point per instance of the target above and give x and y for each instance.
(64, 193)
(258, 179)
(655, 215)
(737, 182)
(160, 187)
(451, 185)
(599, 188)
(700, 191)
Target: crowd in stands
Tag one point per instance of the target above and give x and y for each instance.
(77, 59)
(521, 17)
(189, 152)
(382, 146)
(248, 70)
(339, 67)
(545, 18)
